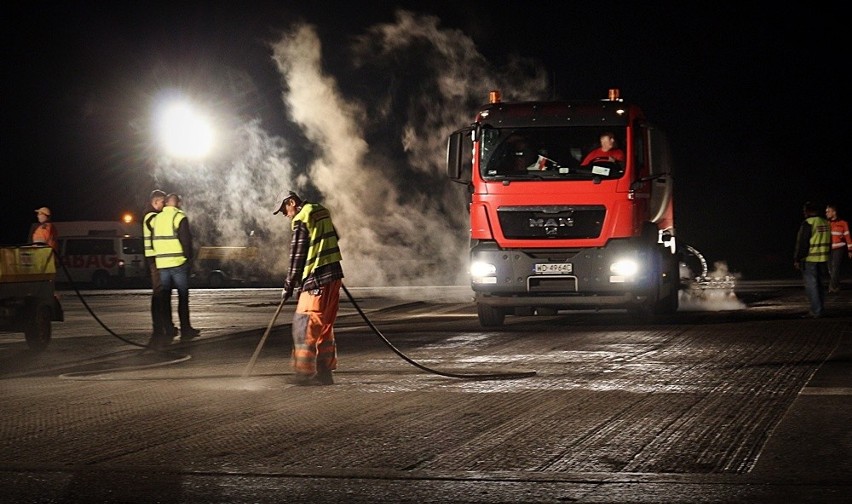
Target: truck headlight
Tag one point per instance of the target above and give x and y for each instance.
(623, 270)
(483, 273)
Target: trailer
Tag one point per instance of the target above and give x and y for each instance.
(28, 300)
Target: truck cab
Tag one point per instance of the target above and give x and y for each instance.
(552, 230)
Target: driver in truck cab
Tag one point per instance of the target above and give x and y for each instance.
(606, 152)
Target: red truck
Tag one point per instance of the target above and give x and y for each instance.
(549, 231)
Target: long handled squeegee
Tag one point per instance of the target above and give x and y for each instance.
(250, 365)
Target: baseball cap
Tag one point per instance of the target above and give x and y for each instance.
(291, 195)
(44, 210)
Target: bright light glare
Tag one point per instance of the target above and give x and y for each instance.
(625, 267)
(482, 272)
(184, 133)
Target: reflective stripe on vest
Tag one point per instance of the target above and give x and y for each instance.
(167, 246)
(323, 247)
(820, 240)
(147, 225)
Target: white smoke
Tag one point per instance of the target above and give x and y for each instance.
(378, 152)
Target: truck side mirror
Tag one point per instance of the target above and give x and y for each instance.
(455, 157)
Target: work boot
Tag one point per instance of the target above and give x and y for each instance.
(324, 377)
(302, 380)
(158, 342)
(188, 334)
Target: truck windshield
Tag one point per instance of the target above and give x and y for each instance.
(548, 153)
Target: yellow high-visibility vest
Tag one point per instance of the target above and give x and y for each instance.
(147, 233)
(820, 240)
(167, 247)
(323, 247)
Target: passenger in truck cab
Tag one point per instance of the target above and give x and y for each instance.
(608, 151)
(524, 157)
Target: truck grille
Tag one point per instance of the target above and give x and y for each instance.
(551, 222)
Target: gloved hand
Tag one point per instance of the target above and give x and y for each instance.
(286, 293)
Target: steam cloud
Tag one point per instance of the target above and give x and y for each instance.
(378, 153)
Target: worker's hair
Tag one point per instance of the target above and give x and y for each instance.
(811, 208)
(156, 193)
(173, 199)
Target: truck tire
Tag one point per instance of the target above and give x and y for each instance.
(37, 328)
(668, 302)
(490, 316)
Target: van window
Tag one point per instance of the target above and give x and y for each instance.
(89, 246)
(132, 246)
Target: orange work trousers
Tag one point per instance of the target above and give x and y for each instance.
(314, 348)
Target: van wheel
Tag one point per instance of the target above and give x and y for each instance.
(490, 316)
(37, 329)
(216, 280)
(100, 280)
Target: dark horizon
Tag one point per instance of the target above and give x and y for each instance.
(753, 117)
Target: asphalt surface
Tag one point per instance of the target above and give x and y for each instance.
(741, 401)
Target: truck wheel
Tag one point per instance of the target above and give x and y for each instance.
(668, 302)
(641, 313)
(37, 329)
(490, 316)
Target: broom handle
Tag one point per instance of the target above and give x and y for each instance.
(257, 350)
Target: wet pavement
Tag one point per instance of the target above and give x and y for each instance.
(747, 404)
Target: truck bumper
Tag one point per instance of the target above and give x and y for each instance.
(585, 277)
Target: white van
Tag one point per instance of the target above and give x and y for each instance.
(100, 254)
(102, 261)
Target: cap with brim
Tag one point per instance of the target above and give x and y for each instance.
(281, 208)
(43, 210)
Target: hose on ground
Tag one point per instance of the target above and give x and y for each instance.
(469, 376)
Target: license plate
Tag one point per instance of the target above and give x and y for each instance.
(554, 269)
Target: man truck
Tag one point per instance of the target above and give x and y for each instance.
(550, 231)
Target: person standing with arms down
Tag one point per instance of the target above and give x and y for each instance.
(45, 233)
(811, 256)
(315, 272)
(161, 306)
(172, 242)
(841, 246)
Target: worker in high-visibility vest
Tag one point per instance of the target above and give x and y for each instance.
(841, 246)
(172, 242)
(315, 272)
(45, 233)
(161, 307)
(813, 243)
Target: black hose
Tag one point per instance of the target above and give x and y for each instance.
(99, 321)
(470, 376)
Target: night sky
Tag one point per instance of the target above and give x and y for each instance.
(753, 100)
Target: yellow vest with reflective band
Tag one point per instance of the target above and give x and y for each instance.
(820, 240)
(323, 247)
(147, 234)
(167, 246)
